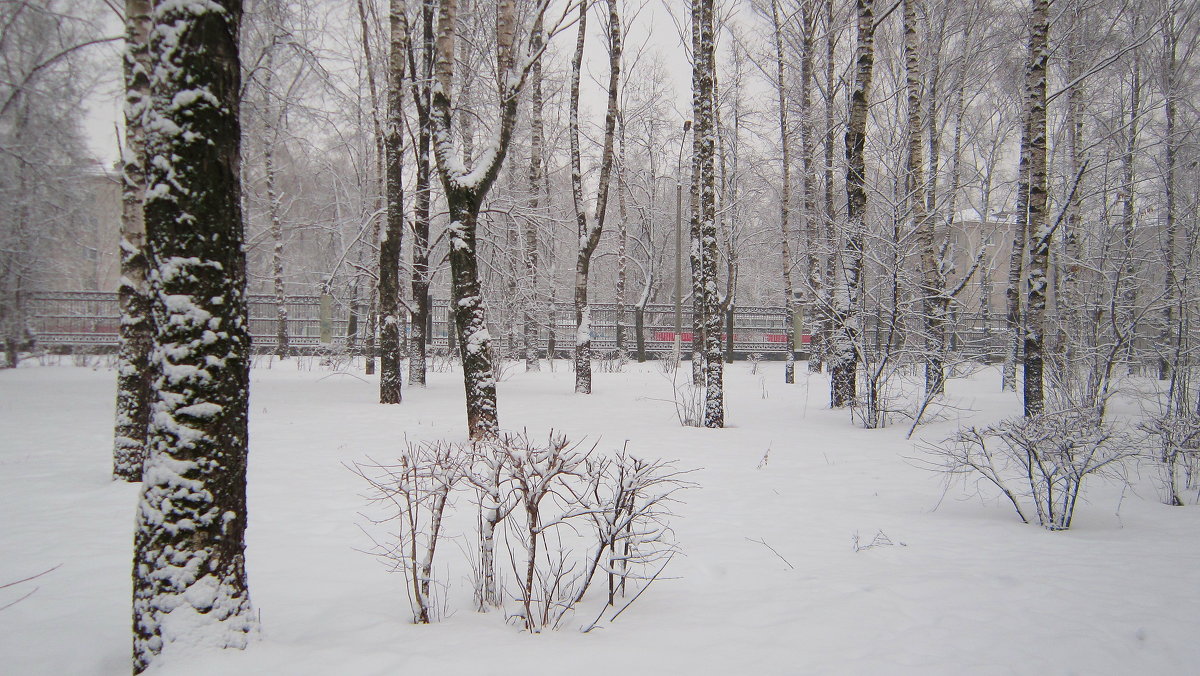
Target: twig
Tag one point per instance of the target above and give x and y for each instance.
(764, 543)
(642, 590)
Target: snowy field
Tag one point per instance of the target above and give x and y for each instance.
(964, 588)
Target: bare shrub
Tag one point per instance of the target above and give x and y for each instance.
(627, 500)
(540, 472)
(442, 361)
(564, 516)
(490, 477)
(667, 360)
(1038, 463)
(688, 399)
(1178, 454)
(614, 361)
(502, 366)
(414, 492)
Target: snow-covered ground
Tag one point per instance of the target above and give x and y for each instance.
(964, 588)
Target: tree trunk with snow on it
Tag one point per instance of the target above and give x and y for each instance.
(589, 230)
(390, 382)
(133, 357)
(189, 577)
(846, 311)
(705, 62)
(1040, 231)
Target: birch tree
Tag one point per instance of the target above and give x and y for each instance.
(1037, 226)
(133, 356)
(531, 257)
(589, 229)
(466, 187)
(846, 311)
(704, 64)
(189, 545)
(933, 305)
(389, 246)
(785, 195)
(421, 86)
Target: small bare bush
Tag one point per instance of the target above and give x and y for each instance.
(414, 492)
(1177, 438)
(667, 360)
(564, 515)
(612, 362)
(688, 400)
(442, 361)
(1038, 463)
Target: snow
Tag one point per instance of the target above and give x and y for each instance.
(769, 580)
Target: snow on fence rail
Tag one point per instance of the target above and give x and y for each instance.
(82, 319)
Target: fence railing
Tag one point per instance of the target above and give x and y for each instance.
(91, 318)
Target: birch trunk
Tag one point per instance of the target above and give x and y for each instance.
(421, 90)
(465, 189)
(846, 311)
(133, 357)
(808, 188)
(933, 305)
(1039, 229)
(272, 120)
(589, 232)
(537, 134)
(785, 198)
(1167, 335)
(389, 247)
(704, 61)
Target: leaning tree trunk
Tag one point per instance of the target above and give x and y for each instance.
(189, 575)
(1039, 230)
(589, 233)
(133, 357)
(389, 247)
(846, 309)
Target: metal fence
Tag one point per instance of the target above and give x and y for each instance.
(91, 318)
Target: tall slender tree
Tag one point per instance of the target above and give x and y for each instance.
(846, 310)
(704, 63)
(1039, 230)
(785, 194)
(189, 571)
(389, 247)
(589, 230)
(465, 189)
(536, 142)
(133, 357)
(933, 307)
(421, 86)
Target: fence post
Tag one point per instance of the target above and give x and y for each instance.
(326, 318)
(729, 334)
